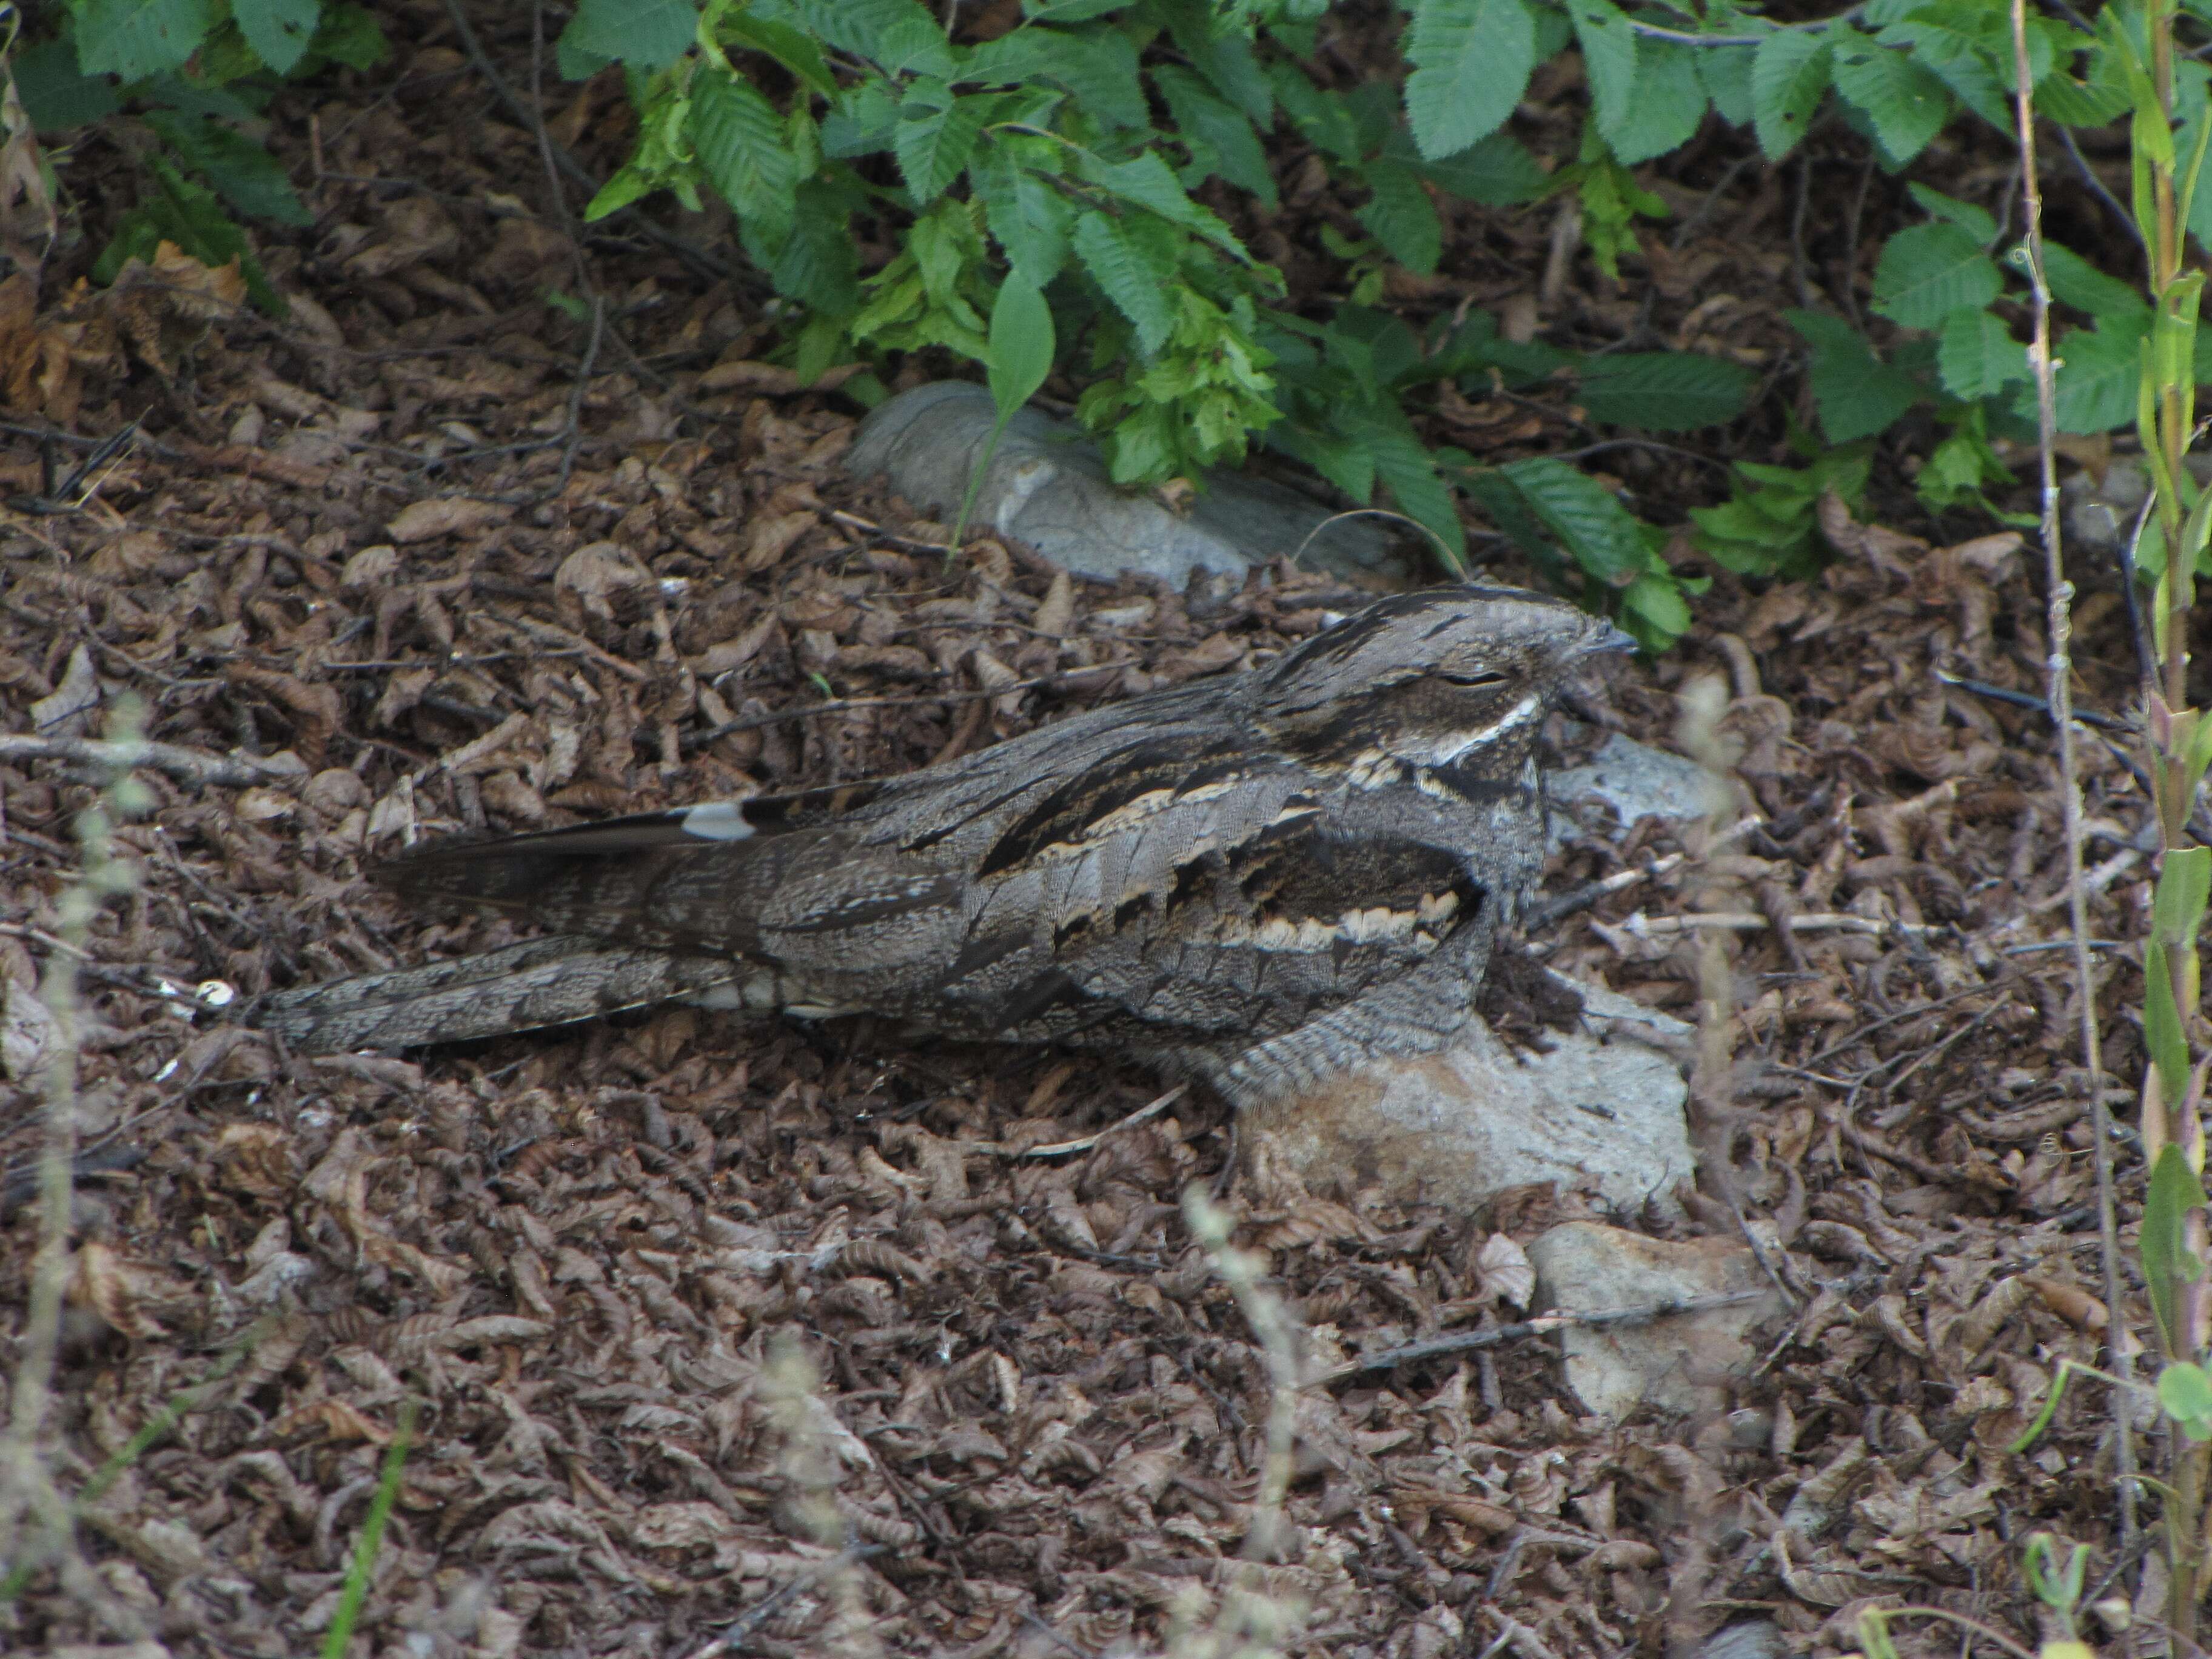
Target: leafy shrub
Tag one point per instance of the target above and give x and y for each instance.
(1087, 155)
(197, 74)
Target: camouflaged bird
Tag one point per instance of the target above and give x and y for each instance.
(1261, 879)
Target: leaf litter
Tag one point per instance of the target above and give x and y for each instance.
(386, 570)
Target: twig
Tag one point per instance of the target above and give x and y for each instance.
(2059, 670)
(1436, 1347)
(1082, 1143)
(1640, 925)
(742, 1628)
(187, 765)
(701, 262)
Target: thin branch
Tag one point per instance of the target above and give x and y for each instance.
(1435, 1347)
(2059, 671)
(185, 765)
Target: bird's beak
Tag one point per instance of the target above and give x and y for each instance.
(1609, 641)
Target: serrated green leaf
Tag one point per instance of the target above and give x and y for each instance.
(1977, 222)
(1608, 45)
(1654, 609)
(1669, 108)
(1147, 180)
(1022, 343)
(1097, 67)
(2074, 281)
(1322, 119)
(818, 264)
(1964, 46)
(1789, 78)
(1400, 216)
(1222, 53)
(1726, 72)
(56, 94)
(1219, 135)
(650, 34)
(794, 48)
(2099, 370)
(1134, 284)
(2078, 103)
(246, 174)
(1928, 271)
(1497, 172)
(1025, 212)
(741, 148)
(1664, 390)
(279, 31)
(1904, 101)
(131, 40)
(1406, 467)
(1595, 528)
(1471, 62)
(1976, 356)
(934, 139)
(1858, 394)
(178, 211)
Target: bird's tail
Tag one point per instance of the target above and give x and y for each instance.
(545, 981)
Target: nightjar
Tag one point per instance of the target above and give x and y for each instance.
(1260, 878)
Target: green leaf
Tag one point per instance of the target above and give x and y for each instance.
(795, 49)
(817, 263)
(1976, 356)
(1664, 390)
(650, 34)
(1022, 343)
(1147, 180)
(349, 35)
(1963, 47)
(131, 40)
(2168, 1262)
(180, 211)
(1496, 172)
(1654, 609)
(1667, 109)
(1726, 71)
(1593, 526)
(1218, 134)
(1977, 222)
(2185, 1392)
(279, 31)
(2074, 281)
(1026, 213)
(2099, 372)
(1322, 119)
(934, 139)
(742, 150)
(1928, 271)
(1400, 216)
(1131, 282)
(1471, 61)
(2184, 882)
(247, 175)
(1608, 45)
(1789, 78)
(1857, 393)
(56, 94)
(1098, 67)
(1903, 101)
(1403, 464)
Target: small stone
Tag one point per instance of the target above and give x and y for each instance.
(1681, 1362)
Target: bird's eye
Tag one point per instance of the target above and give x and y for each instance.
(1472, 677)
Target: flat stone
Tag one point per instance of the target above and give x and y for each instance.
(1602, 1113)
(1047, 485)
(1623, 781)
(1681, 1364)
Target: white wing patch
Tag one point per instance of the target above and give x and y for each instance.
(716, 820)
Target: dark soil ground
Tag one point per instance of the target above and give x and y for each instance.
(430, 555)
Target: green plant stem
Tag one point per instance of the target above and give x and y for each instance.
(362, 1567)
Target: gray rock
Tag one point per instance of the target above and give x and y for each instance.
(1628, 781)
(1600, 1112)
(1681, 1364)
(1046, 485)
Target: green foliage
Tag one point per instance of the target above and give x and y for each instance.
(199, 74)
(1771, 524)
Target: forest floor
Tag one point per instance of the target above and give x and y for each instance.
(432, 556)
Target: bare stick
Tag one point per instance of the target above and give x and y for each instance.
(186, 765)
(1436, 1348)
(2059, 671)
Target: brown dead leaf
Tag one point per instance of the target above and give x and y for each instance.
(447, 515)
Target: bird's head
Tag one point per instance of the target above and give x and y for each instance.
(1446, 676)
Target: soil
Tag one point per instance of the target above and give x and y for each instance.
(772, 1334)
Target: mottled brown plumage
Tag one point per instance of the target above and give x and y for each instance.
(1260, 878)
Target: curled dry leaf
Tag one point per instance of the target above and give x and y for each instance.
(1507, 1273)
